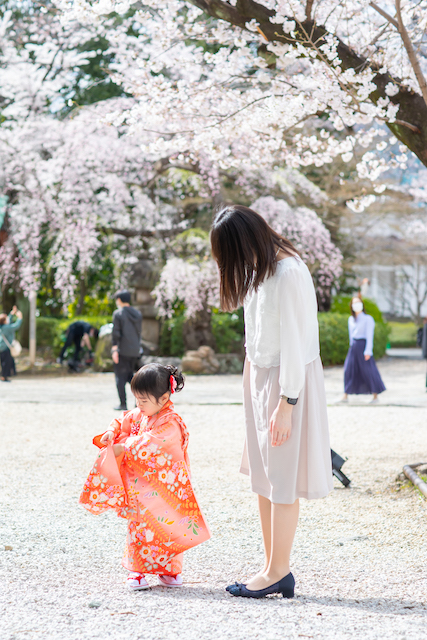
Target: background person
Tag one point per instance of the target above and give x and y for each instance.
(287, 452)
(126, 343)
(79, 334)
(361, 375)
(7, 336)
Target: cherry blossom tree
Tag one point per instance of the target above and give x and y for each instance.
(304, 228)
(289, 81)
(74, 186)
(196, 115)
(193, 281)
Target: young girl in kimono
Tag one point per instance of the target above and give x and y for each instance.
(143, 473)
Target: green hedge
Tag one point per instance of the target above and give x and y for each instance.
(333, 329)
(333, 333)
(171, 336)
(227, 329)
(51, 331)
(341, 304)
(403, 334)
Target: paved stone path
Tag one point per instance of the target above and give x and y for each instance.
(360, 555)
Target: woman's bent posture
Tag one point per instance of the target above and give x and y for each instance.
(287, 453)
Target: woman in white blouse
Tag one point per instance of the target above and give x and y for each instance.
(287, 453)
(361, 375)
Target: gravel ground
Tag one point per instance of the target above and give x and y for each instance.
(360, 558)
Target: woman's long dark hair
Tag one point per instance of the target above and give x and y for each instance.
(245, 248)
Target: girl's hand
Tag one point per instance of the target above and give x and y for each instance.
(281, 423)
(367, 358)
(107, 437)
(14, 310)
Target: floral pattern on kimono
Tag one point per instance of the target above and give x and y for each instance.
(149, 485)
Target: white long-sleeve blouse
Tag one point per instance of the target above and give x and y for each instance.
(281, 326)
(360, 328)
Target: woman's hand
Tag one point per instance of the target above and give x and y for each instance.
(367, 358)
(107, 437)
(281, 423)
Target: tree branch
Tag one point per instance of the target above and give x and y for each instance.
(411, 53)
(384, 14)
(308, 8)
(412, 106)
(142, 233)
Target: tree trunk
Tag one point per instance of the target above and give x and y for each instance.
(197, 332)
(82, 294)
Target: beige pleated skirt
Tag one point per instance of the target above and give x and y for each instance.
(301, 467)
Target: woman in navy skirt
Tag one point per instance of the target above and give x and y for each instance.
(361, 375)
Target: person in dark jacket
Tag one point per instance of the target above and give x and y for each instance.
(79, 334)
(125, 343)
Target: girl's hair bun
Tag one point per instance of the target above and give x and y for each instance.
(177, 374)
(154, 380)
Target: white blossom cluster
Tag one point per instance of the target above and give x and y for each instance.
(195, 283)
(66, 182)
(306, 231)
(203, 86)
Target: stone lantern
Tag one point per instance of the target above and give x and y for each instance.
(143, 280)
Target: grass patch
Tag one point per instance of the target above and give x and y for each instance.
(403, 335)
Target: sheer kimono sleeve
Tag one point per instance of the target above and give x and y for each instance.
(115, 426)
(293, 316)
(369, 329)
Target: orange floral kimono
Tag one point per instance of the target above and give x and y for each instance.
(149, 485)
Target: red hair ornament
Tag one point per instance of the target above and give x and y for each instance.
(173, 383)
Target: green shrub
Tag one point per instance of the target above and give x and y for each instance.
(51, 332)
(333, 333)
(96, 306)
(403, 334)
(171, 341)
(341, 304)
(46, 331)
(334, 342)
(228, 330)
(381, 338)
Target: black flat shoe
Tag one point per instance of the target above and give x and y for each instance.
(285, 586)
(120, 408)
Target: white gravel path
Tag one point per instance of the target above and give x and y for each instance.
(360, 556)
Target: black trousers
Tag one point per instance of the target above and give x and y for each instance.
(72, 337)
(124, 371)
(7, 363)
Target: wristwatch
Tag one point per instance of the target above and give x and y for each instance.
(289, 400)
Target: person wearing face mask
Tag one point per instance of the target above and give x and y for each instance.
(361, 375)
